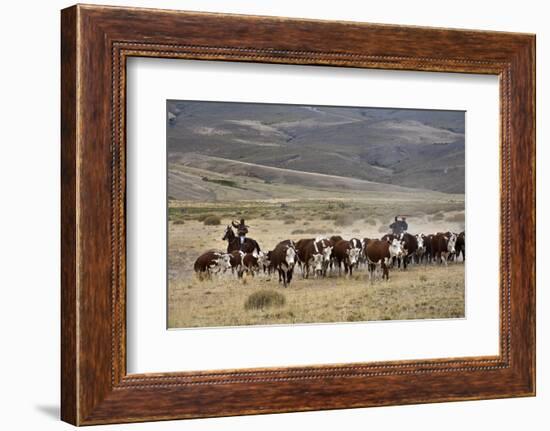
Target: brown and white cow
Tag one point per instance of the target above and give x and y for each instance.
(410, 246)
(312, 255)
(212, 262)
(420, 240)
(397, 254)
(428, 255)
(251, 263)
(283, 259)
(345, 252)
(364, 242)
(443, 244)
(378, 255)
(263, 261)
(325, 246)
(236, 261)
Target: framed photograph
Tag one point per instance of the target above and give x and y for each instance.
(264, 214)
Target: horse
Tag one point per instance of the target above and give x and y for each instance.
(234, 242)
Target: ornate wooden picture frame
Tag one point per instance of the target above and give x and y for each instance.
(96, 42)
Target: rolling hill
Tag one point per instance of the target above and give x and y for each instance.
(421, 149)
(193, 176)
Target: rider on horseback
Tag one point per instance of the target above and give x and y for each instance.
(399, 226)
(242, 230)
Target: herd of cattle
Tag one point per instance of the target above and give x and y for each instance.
(320, 256)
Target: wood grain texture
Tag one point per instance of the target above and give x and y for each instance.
(69, 397)
(96, 42)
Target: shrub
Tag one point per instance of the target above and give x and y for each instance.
(370, 221)
(178, 221)
(344, 220)
(423, 278)
(290, 219)
(264, 299)
(201, 217)
(212, 220)
(297, 232)
(383, 229)
(328, 216)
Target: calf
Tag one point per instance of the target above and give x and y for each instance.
(344, 252)
(263, 261)
(211, 262)
(283, 259)
(251, 263)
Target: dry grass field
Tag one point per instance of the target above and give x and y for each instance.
(421, 292)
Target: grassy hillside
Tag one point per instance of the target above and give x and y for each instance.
(196, 177)
(412, 148)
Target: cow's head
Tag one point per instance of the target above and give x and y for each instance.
(420, 240)
(355, 243)
(353, 254)
(318, 262)
(224, 262)
(396, 248)
(290, 256)
(451, 243)
(327, 253)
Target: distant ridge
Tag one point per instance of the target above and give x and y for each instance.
(422, 149)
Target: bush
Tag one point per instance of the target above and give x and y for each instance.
(423, 278)
(290, 219)
(344, 220)
(202, 217)
(264, 299)
(212, 221)
(178, 221)
(328, 216)
(370, 221)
